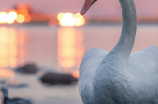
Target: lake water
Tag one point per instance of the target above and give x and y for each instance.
(59, 49)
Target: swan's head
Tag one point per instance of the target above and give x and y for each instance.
(87, 5)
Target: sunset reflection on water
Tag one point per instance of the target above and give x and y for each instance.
(70, 48)
(13, 47)
(58, 49)
(11, 50)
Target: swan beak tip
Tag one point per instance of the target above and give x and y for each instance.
(87, 5)
(81, 13)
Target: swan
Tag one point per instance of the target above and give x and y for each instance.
(119, 76)
(7, 100)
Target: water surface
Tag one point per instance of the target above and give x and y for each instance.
(59, 49)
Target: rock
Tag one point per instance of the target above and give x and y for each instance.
(7, 100)
(28, 69)
(19, 101)
(54, 78)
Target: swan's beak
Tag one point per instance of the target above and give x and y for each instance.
(87, 5)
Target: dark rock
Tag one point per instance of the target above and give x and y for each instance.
(7, 100)
(28, 69)
(19, 101)
(54, 78)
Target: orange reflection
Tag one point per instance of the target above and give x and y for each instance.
(75, 74)
(66, 49)
(7, 17)
(28, 18)
(4, 47)
(67, 20)
(21, 42)
(70, 47)
(60, 16)
(20, 18)
(79, 19)
(10, 44)
(12, 15)
(21, 14)
(4, 73)
(12, 40)
(24, 12)
(3, 18)
(70, 19)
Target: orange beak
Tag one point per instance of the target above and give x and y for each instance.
(87, 5)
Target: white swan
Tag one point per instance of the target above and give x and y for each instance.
(119, 76)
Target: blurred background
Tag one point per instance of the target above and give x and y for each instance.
(42, 43)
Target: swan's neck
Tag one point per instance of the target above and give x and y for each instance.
(126, 42)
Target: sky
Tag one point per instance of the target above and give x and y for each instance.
(100, 8)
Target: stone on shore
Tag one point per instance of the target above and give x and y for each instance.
(54, 78)
(28, 69)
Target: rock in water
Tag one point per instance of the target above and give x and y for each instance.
(28, 69)
(54, 78)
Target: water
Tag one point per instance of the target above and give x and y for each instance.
(59, 49)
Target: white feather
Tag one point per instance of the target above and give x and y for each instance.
(140, 87)
(119, 76)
